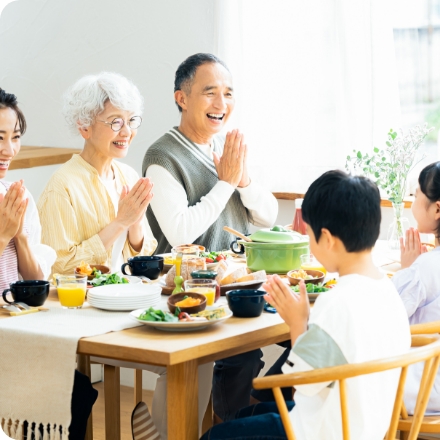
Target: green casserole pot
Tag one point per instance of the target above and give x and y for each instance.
(279, 253)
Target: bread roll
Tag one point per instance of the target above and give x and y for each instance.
(260, 275)
(221, 269)
(234, 276)
(188, 265)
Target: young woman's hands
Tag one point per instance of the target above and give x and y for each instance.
(293, 308)
(12, 210)
(411, 248)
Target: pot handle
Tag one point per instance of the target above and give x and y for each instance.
(237, 248)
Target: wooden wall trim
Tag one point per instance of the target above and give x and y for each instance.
(30, 157)
(293, 196)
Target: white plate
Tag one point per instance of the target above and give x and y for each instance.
(125, 291)
(178, 326)
(133, 305)
(131, 279)
(124, 307)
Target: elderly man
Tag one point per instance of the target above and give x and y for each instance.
(201, 180)
(202, 184)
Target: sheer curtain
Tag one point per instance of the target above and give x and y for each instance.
(314, 81)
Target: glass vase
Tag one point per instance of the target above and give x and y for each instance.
(398, 226)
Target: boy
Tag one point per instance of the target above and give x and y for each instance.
(361, 319)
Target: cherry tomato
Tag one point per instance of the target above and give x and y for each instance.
(220, 257)
(209, 260)
(183, 315)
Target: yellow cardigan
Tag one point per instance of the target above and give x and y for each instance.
(75, 207)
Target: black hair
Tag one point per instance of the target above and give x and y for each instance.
(429, 181)
(9, 100)
(187, 70)
(348, 206)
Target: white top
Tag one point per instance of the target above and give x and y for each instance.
(181, 223)
(359, 320)
(118, 245)
(419, 289)
(44, 254)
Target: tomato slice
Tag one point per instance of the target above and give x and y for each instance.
(209, 260)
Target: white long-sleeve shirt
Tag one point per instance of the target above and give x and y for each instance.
(181, 223)
(419, 289)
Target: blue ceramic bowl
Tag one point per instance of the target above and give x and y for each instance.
(246, 303)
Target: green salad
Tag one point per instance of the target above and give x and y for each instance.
(159, 315)
(311, 288)
(104, 279)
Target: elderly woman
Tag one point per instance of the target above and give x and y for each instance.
(21, 253)
(93, 208)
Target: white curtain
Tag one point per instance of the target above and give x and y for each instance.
(314, 80)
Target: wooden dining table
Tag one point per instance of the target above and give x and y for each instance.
(181, 353)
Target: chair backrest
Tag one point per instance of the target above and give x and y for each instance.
(428, 328)
(428, 352)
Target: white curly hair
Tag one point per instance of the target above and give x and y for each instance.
(87, 97)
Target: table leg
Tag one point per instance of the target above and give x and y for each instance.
(83, 366)
(183, 396)
(112, 403)
(137, 386)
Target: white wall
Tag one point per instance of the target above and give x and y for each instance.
(45, 45)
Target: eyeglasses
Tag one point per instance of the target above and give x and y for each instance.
(118, 123)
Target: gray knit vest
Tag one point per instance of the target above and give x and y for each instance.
(196, 173)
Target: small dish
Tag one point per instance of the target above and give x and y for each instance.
(314, 273)
(173, 299)
(100, 267)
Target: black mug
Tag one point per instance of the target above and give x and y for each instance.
(149, 267)
(32, 293)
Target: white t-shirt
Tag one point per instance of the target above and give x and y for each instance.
(118, 245)
(361, 319)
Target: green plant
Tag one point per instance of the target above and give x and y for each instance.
(389, 167)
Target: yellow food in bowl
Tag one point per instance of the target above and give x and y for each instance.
(301, 275)
(84, 269)
(188, 302)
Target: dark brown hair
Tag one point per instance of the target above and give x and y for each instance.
(9, 100)
(429, 181)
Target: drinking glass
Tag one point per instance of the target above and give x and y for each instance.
(71, 290)
(203, 286)
(309, 262)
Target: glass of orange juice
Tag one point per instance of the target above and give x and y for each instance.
(71, 290)
(309, 262)
(204, 286)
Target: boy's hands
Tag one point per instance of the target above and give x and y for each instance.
(411, 248)
(293, 308)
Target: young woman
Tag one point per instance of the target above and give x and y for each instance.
(21, 253)
(418, 283)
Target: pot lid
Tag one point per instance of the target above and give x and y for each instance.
(278, 234)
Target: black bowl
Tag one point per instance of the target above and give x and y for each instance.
(246, 303)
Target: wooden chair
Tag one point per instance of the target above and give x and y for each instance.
(428, 351)
(430, 424)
